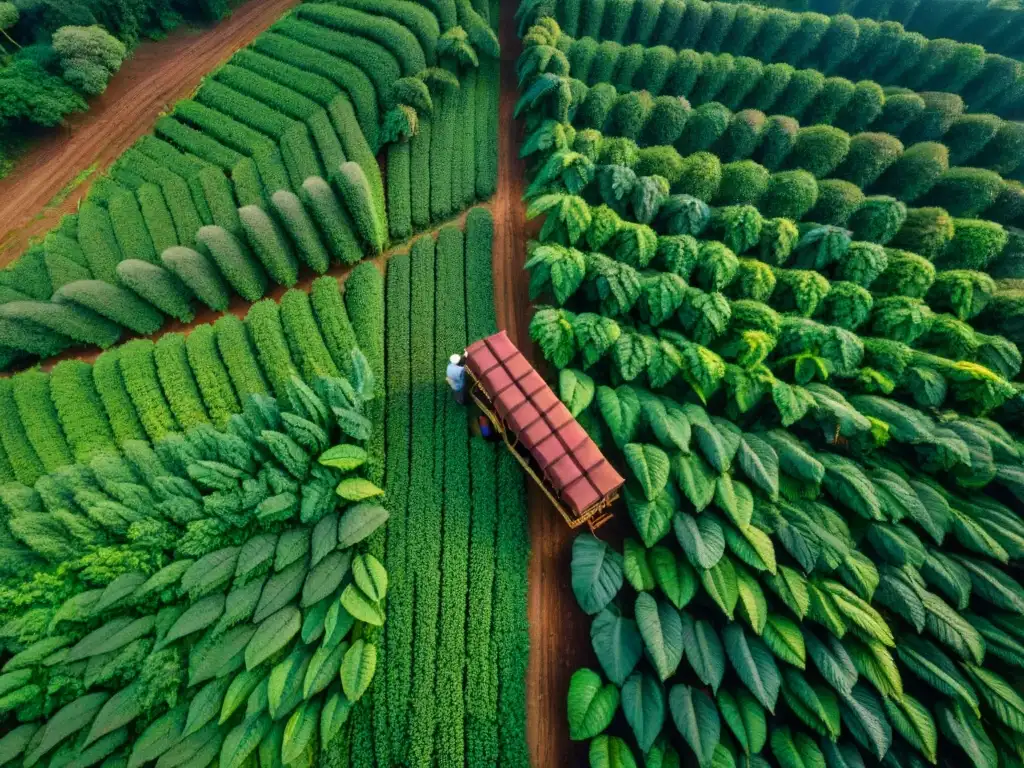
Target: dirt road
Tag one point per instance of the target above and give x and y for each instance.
(157, 75)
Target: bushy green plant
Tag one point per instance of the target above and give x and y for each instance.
(199, 275)
(969, 135)
(838, 200)
(263, 322)
(790, 195)
(705, 125)
(967, 191)
(664, 161)
(236, 264)
(915, 173)
(157, 216)
(742, 182)
(332, 220)
(974, 244)
(307, 346)
(354, 191)
(940, 112)
(113, 302)
(80, 410)
(777, 140)
(819, 149)
(157, 286)
(864, 107)
(906, 274)
(211, 375)
(878, 219)
(178, 382)
(870, 155)
(743, 135)
(926, 231)
(801, 91)
(301, 230)
(836, 93)
(124, 420)
(701, 176)
(900, 111)
(138, 368)
(239, 357)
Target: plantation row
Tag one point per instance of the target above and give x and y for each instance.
(819, 433)
(269, 169)
(840, 45)
(996, 27)
(188, 591)
(457, 548)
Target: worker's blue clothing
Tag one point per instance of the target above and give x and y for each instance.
(456, 376)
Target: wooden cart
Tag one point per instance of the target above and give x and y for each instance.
(541, 432)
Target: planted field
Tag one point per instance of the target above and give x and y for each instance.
(774, 289)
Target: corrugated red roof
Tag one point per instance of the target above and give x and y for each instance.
(573, 464)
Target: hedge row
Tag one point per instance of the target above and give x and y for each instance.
(885, 52)
(805, 94)
(988, 143)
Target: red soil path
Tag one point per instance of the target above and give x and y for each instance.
(158, 74)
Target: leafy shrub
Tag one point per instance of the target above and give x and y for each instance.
(901, 110)
(333, 321)
(179, 385)
(157, 286)
(864, 107)
(666, 121)
(221, 200)
(819, 149)
(24, 462)
(803, 88)
(142, 383)
(870, 155)
(969, 135)
(743, 135)
(80, 410)
(263, 322)
(112, 302)
(99, 244)
(249, 190)
(334, 223)
(354, 191)
(746, 74)
(906, 274)
(1005, 152)
(662, 161)
(630, 113)
(967, 191)
(269, 244)
(973, 244)
(742, 182)
(775, 80)
(38, 415)
(940, 111)
(239, 357)
(234, 261)
(837, 202)
(926, 231)
(878, 219)
(157, 216)
(307, 346)
(836, 93)
(653, 75)
(594, 111)
(198, 275)
(124, 420)
(301, 229)
(61, 322)
(701, 176)
(129, 228)
(777, 140)
(211, 374)
(705, 125)
(915, 173)
(715, 72)
(790, 195)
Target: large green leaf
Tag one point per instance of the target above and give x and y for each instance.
(703, 651)
(695, 479)
(745, 718)
(643, 703)
(754, 664)
(650, 466)
(697, 720)
(597, 573)
(273, 634)
(814, 704)
(913, 721)
(357, 669)
(795, 750)
(635, 566)
(673, 575)
(610, 752)
(662, 632)
(783, 638)
(760, 463)
(618, 644)
(965, 730)
(722, 585)
(652, 519)
(864, 717)
(590, 705)
(701, 538)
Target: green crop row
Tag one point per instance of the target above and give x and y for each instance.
(840, 44)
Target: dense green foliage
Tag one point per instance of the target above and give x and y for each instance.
(813, 391)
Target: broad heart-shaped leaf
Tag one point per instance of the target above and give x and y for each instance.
(273, 634)
(701, 538)
(643, 703)
(650, 466)
(576, 390)
(590, 705)
(754, 664)
(359, 521)
(673, 575)
(745, 718)
(610, 752)
(662, 632)
(357, 489)
(965, 730)
(596, 573)
(703, 651)
(357, 669)
(782, 636)
(696, 718)
(344, 457)
(617, 642)
(864, 718)
(695, 478)
(652, 519)
(620, 409)
(760, 463)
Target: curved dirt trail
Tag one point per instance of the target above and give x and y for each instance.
(158, 74)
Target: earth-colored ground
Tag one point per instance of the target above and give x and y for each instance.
(159, 74)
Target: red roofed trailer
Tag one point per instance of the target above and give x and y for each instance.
(541, 433)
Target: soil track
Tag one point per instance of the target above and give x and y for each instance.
(158, 74)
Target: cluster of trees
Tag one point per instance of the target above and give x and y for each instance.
(57, 53)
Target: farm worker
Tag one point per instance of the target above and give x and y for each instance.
(486, 428)
(456, 377)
